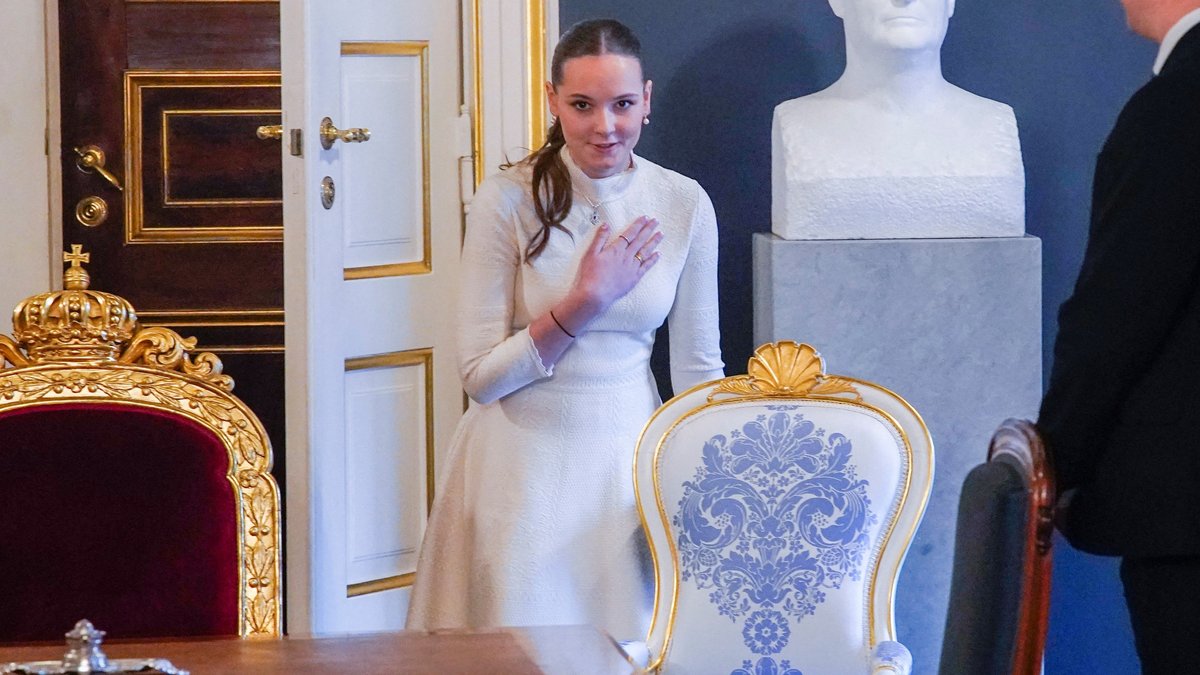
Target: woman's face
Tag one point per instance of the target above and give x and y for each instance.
(898, 24)
(600, 104)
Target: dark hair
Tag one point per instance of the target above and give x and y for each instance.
(551, 180)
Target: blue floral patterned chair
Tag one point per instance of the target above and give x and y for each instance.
(779, 506)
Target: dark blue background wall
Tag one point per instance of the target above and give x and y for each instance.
(1066, 66)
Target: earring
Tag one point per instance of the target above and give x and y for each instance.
(646, 120)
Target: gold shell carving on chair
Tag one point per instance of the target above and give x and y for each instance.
(785, 368)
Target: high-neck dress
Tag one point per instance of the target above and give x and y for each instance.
(534, 521)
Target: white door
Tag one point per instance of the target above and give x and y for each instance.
(371, 376)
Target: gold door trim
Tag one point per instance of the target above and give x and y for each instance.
(166, 161)
(536, 75)
(477, 90)
(536, 71)
(403, 359)
(246, 349)
(419, 49)
(136, 81)
(398, 581)
(388, 48)
(214, 317)
(392, 270)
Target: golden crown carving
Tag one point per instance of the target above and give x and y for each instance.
(80, 325)
(74, 324)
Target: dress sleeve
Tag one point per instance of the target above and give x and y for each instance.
(695, 334)
(494, 359)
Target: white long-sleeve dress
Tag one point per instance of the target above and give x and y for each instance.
(535, 522)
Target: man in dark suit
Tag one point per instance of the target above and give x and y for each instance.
(1122, 414)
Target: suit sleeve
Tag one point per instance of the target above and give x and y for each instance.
(1139, 273)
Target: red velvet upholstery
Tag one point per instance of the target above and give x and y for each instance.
(120, 514)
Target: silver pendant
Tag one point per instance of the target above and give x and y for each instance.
(595, 216)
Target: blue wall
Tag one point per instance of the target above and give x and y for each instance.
(1066, 66)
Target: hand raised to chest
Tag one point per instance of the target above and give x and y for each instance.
(612, 266)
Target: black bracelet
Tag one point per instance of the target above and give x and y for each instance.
(560, 326)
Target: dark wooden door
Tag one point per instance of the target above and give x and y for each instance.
(172, 93)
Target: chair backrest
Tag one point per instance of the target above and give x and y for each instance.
(135, 489)
(779, 506)
(1000, 591)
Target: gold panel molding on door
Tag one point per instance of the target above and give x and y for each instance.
(418, 49)
(168, 117)
(330, 133)
(173, 111)
(406, 359)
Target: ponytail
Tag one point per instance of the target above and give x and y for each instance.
(551, 189)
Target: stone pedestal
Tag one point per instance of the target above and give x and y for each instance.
(951, 325)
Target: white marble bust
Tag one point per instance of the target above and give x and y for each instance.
(892, 150)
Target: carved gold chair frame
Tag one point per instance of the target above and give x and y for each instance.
(781, 372)
(85, 346)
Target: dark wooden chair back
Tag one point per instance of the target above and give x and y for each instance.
(1000, 591)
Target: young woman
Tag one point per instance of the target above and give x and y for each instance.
(573, 258)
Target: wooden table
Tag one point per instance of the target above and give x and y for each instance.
(507, 651)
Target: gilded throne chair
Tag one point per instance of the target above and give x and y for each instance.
(779, 506)
(135, 489)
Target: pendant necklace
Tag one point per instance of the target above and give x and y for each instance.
(595, 217)
(617, 195)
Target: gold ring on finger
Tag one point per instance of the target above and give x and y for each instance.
(639, 257)
(626, 239)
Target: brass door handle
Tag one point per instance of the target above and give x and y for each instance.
(270, 131)
(91, 158)
(330, 133)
